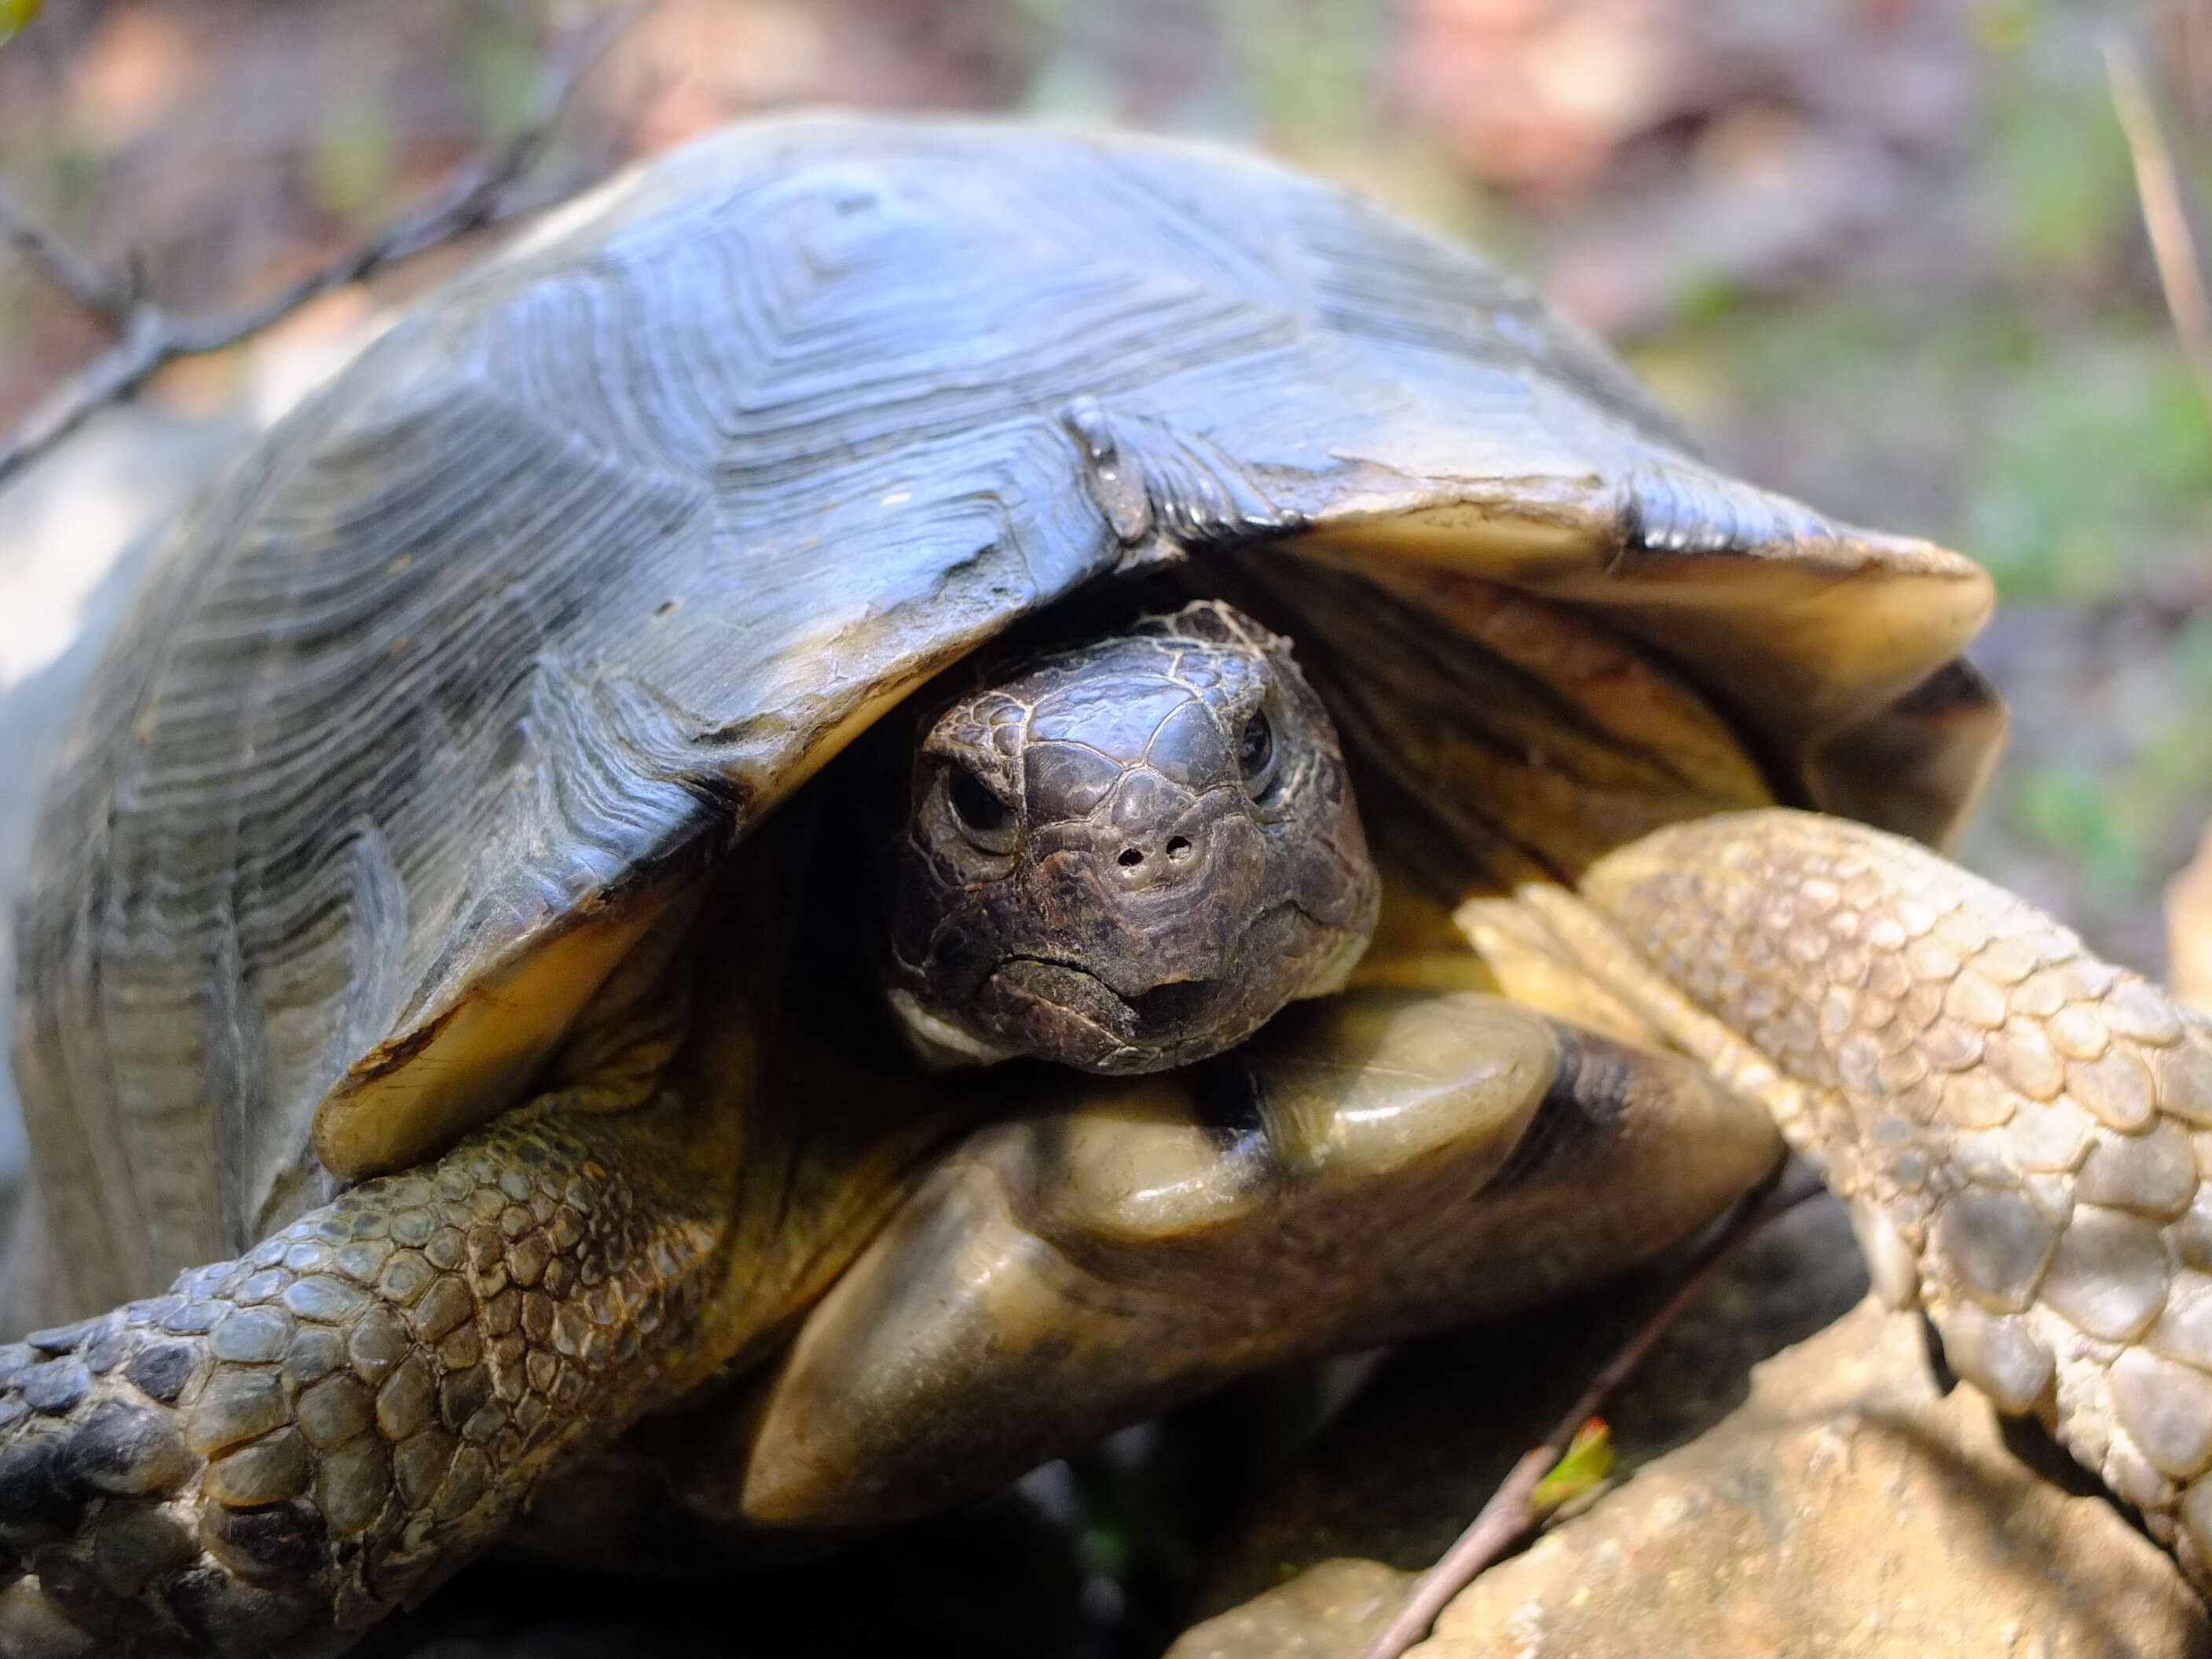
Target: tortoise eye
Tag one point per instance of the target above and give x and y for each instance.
(1255, 751)
(983, 817)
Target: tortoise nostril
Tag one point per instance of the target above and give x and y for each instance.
(1130, 859)
(1179, 848)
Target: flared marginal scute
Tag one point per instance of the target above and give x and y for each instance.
(1833, 651)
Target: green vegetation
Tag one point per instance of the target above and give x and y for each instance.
(13, 14)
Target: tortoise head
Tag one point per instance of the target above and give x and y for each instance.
(1128, 854)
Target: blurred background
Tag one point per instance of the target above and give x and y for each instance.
(1888, 255)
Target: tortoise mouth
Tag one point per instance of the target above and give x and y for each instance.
(1064, 1011)
(1166, 1012)
(1173, 1006)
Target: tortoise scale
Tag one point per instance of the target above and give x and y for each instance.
(440, 971)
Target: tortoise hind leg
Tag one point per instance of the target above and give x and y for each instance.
(285, 1448)
(2018, 1127)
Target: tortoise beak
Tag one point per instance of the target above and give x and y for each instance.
(1070, 1011)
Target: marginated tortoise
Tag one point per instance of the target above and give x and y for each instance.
(754, 811)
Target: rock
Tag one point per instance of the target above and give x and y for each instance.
(1409, 1464)
(1833, 1500)
(1850, 1508)
(1332, 1609)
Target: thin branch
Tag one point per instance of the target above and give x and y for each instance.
(150, 338)
(2164, 208)
(63, 265)
(1511, 1512)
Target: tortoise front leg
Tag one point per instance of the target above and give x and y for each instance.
(1371, 1164)
(285, 1448)
(2019, 1128)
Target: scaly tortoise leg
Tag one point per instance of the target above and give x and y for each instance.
(2020, 1129)
(285, 1448)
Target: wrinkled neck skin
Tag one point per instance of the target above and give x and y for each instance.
(1128, 854)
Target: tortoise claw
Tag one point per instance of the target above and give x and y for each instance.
(102, 1479)
(282, 1449)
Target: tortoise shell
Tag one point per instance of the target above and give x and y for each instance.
(443, 691)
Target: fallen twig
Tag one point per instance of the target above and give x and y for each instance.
(2165, 210)
(148, 338)
(62, 265)
(1509, 1511)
